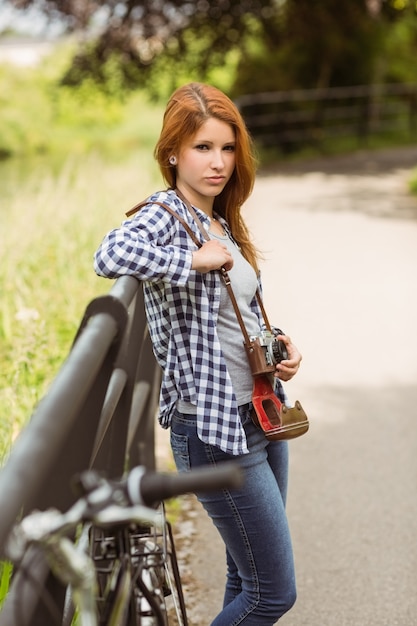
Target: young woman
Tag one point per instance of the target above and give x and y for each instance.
(205, 155)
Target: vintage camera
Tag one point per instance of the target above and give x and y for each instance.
(274, 349)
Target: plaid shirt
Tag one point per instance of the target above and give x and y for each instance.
(182, 307)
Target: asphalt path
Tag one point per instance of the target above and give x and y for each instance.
(339, 238)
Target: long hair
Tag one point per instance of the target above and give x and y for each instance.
(187, 110)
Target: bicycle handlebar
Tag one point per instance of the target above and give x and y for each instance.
(108, 502)
(150, 488)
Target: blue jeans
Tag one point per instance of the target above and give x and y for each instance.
(260, 584)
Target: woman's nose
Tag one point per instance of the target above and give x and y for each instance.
(217, 160)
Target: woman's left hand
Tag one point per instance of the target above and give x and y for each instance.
(288, 367)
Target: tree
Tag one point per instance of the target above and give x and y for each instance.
(140, 33)
(322, 43)
(277, 44)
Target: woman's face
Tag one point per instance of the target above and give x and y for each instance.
(206, 162)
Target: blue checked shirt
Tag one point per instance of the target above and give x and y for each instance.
(182, 307)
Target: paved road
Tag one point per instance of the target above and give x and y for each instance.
(340, 240)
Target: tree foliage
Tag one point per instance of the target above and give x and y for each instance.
(322, 43)
(139, 33)
(276, 44)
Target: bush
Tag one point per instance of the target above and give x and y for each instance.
(23, 129)
(64, 120)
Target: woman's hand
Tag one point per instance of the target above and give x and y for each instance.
(212, 256)
(288, 367)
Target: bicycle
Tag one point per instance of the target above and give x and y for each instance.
(122, 568)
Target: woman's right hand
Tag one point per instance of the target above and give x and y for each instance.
(212, 256)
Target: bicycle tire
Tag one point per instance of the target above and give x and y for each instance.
(138, 576)
(158, 566)
(115, 588)
(180, 618)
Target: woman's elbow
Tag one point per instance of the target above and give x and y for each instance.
(102, 268)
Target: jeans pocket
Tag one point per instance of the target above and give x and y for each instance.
(179, 445)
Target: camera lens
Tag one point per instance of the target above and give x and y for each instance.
(279, 351)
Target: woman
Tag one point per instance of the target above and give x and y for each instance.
(205, 155)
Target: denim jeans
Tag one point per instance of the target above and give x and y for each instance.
(260, 585)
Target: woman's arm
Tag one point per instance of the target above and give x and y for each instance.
(147, 247)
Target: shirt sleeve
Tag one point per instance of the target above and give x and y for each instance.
(148, 246)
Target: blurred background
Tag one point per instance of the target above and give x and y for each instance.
(83, 87)
(82, 91)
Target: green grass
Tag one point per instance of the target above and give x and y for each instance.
(81, 160)
(6, 569)
(51, 221)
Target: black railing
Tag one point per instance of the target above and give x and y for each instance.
(99, 412)
(290, 119)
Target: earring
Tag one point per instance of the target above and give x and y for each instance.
(173, 160)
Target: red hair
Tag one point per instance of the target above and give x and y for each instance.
(187, 109)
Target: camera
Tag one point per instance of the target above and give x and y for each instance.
(274, 349)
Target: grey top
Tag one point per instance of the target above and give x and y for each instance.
(244, 283)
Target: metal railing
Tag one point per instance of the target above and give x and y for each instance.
(99, 412)
(288, 119)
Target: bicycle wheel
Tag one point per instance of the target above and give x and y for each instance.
(158, 577)
(115, 586)
(177, 615)
(138, 578)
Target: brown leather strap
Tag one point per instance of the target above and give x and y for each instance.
(194, 215)
(264, 315)
(223, 271)
(174, 213)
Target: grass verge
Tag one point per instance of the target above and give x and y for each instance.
(51, 221)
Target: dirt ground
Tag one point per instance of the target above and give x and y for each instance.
(339, 237)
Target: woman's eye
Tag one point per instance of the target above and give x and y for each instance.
(204, 147)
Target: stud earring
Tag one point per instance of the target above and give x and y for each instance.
(173, 160)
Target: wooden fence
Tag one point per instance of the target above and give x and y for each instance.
(289, 119)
